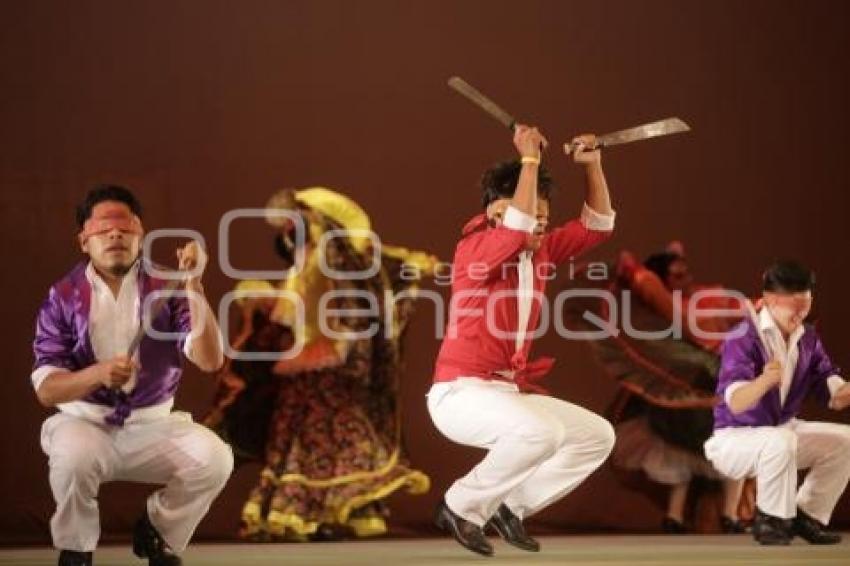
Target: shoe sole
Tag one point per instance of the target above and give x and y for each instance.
(821, 542)
(502, 535)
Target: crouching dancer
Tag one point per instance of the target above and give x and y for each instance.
(539, 447)
(115, 420)
(769, 365)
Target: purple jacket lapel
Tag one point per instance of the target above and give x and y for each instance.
(81, 304)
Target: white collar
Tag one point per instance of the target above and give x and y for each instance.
(95, 278)
(768, 324)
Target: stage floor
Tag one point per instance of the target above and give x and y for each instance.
(601, 549)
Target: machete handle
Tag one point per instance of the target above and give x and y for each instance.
(569, 147)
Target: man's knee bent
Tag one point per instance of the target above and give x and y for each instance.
(595, 433)
(842, 439)
(79, 464)
(218, 464)
(542, 438)
(604, 437)
(781, 443)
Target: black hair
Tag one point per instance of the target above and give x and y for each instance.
(104, 193)
(660, 263)
(788, 276)
(500, 181)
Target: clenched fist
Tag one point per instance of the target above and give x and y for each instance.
(772, 373)
(192, 257)
(529, 141)
(116, 372)
(584, 149)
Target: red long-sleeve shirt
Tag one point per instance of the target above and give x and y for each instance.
(486, 278)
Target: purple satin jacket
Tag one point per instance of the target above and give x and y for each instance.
(62, 340)
(744, 358)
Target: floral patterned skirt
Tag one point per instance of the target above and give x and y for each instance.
(334, 452)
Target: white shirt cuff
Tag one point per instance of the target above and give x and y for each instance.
(515, 219)
(593, 220)
(40, 374)
(190, 338)
(732, 388)
(834, 383)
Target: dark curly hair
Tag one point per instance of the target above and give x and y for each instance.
(500, 181)
(104, 193)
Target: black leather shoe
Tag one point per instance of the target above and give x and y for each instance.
(74, 558)
(510, 528)
(147, 543)
(811, 530)
(469, 535)
(771, 531)
(731, 526)
(673, 527)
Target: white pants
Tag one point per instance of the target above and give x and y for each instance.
(190, 460)
(774, 454)
(539, 448)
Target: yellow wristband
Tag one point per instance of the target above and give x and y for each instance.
(530, 159)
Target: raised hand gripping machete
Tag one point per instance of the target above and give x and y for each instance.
(638, 133)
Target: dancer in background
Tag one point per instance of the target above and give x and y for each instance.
(326, 423)
(662, 424)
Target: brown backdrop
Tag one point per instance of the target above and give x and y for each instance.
(205, 106)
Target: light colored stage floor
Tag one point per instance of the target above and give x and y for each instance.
(608, 550)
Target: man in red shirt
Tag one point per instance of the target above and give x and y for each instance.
(484, 395)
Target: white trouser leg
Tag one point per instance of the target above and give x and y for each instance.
(774, 454)
(768, 453)
(824, 449)
(587, 441)
(81, 457)
(192, 462)
(189, 459)
(521, 433)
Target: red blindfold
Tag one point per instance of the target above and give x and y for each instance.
(109, 216)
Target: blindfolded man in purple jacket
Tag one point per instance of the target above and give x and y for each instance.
(115, 420)
(770, 364)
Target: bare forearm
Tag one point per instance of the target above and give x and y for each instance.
(206, 343)
(748, 395)
(841, 398)
(598, 197)
(525, 196)
(529, 142)
(67, 386)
